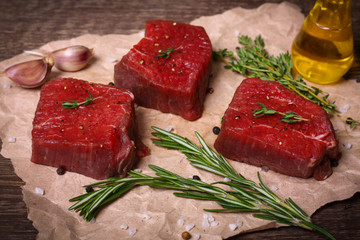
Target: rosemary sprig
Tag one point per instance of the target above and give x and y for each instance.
(288, 117)
(286, 212)
(75, 104)
(166, 53)
(252, 60)
(245, 195)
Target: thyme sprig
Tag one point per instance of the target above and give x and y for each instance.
(245, 195)
(252, 60)
(166, 53)
(288, 117)
(352, 122)
(75, 104)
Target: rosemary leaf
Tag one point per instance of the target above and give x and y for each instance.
(194, 195)
(273, 218)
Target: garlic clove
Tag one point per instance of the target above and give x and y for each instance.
(73, 58)
(30, 74)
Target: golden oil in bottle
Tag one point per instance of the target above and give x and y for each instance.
(323, 52)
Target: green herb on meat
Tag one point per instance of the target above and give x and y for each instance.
(288, 117)
(252, 60)
(244, 196)
(75, 104)
(166, 53)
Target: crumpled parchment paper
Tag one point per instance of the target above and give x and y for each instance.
(153, 212)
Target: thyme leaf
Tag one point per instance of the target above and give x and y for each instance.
(252, 60)
(75, 104)
(288, 117)
(244, 195)
(353, 123)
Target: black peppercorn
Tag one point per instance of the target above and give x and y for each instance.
(111, 84)
(216, 130)
(89, 189)
(60, 171)
(196, 177)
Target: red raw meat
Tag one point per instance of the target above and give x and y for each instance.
(302, 149)
(176, 84)
(97, 140)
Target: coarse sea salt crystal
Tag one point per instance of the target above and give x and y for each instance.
(205, 223)
(189, 227)
(169, 128)
(39, 191)
(237, 33)
(227, 180)
(124, 226)
(197, 236)
(7, 85)
(139, 170)
(274, 188)
(214, 223)
(344, 108)
(132, 231)
(348, 145)
(233, 227)
(211, 218)
(111, 59)
(239, 223)
(93, 220)
(11, 139)
(146, 216)
(180, 222)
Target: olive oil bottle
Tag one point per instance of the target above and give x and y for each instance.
(323, 51)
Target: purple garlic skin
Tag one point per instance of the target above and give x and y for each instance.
(30, 74)
(73, 58)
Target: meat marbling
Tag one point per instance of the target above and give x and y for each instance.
(98, 140)
(302, 149)
(175, 84)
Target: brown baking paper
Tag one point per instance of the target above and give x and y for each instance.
(153, 212)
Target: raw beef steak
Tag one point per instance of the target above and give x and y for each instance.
(97, 140)
(299, 149)
(172, 83)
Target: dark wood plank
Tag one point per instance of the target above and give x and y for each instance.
(14, 224)
(29, 24)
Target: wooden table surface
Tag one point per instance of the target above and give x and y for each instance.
(29, 24)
